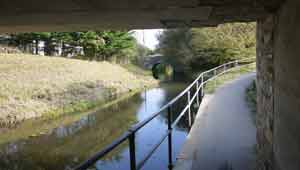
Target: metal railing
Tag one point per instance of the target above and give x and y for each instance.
(197, 86)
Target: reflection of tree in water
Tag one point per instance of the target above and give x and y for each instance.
(66, 146)
(172, 91)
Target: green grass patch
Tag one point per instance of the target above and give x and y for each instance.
(135, 69)
(233, 73)
(79, 106)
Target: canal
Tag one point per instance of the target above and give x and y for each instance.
(68, 144)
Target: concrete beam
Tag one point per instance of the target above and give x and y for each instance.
(62, 15)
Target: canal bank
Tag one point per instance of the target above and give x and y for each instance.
(49, 87)
(38, 126)
(68, 144)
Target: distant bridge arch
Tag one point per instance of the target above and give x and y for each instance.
(153, 60)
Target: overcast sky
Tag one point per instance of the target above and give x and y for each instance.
(147, 37)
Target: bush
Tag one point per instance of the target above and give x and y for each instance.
(251, 96)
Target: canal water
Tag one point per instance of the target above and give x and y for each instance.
(70, 143)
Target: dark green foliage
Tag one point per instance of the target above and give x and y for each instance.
(96, 45)
(175, 45)
(116, 43)
(203, 48)
(91, 43)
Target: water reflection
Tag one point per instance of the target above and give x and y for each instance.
(66, 146)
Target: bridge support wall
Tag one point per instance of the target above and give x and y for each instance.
(265, 92)
(278, 83)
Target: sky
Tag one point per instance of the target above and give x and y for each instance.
(147, 37)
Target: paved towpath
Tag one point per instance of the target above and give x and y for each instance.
(224, 135)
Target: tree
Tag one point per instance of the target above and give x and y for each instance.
(175, 45)
(25, 39)
(62, 38)
(37, 37)
(47, 37)
(203, 48)
(115, 43)
(141, 52)
(21, 40)
(96, 45)
(240, 38)
(91, 43)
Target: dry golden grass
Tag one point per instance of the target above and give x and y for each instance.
(34, 86)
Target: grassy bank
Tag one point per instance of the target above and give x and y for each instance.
(29, 129)
(233, 73)
(38, 86)
(138, 71)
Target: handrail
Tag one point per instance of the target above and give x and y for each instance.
(130, 134)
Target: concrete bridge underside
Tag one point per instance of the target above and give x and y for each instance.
(278, 39)
(45, 15)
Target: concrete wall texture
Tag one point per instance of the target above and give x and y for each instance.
(278, 80)
(287, 87)
(68, 15)
(265, 94)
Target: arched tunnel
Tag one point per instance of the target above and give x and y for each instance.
(163, 71)
(278, 39)
(153, 69)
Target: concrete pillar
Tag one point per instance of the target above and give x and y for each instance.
(265, 92)
(278, 80)
(287, 87)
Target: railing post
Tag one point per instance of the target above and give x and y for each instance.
(237, 64)
(132, 151)
(202, 86)
(215, 73)
(224, 68)
(170, 166)
(189, 110)
(197, 84)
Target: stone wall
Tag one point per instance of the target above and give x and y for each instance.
(278, 81)
(287, 87)
(265, 93)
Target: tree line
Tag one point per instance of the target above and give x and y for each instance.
(92, 45)
(204, 48)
